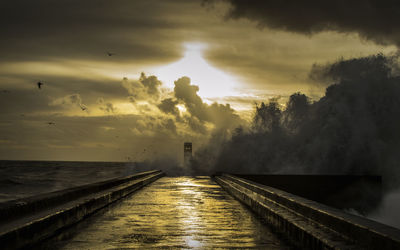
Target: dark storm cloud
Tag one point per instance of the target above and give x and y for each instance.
(220, 115)
(168, 106)
(151, 84)
(146, 88)
(374, 20)
(198, 114)
(75, 29)
(187, 93)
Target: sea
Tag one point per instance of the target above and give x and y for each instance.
(20, 179)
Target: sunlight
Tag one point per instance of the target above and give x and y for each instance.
(211, 81)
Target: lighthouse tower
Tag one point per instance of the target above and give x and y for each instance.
(187, 153)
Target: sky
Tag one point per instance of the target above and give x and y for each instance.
(129, 80)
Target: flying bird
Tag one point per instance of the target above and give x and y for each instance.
(51, 123)
(39, 84)
(83, 108)
(110, 54)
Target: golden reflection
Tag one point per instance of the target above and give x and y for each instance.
(177, 213)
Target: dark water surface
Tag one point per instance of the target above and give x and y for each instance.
(20, 179)
(173, 212)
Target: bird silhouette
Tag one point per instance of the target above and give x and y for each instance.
(51, 123)
(39, 84)
(110, 54)
(83, 108)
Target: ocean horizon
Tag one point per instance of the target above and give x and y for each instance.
(25, 178)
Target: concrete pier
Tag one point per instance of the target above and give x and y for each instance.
(173, 212)
(27, 222)
(310, 224)
(225, 211)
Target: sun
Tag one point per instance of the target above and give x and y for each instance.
(212, 81)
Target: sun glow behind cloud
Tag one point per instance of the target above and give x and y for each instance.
(211, 81)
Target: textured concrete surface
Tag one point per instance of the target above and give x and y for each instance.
(310, 224)
(26, 231)
(15, 209)
(173, 212)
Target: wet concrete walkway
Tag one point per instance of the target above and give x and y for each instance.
(173, 212)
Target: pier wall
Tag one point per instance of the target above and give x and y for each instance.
(27, 221)
(307, 223)
(360, 192)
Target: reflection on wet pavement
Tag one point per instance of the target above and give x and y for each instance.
(174, 212)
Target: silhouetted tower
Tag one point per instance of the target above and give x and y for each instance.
(187, 153)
